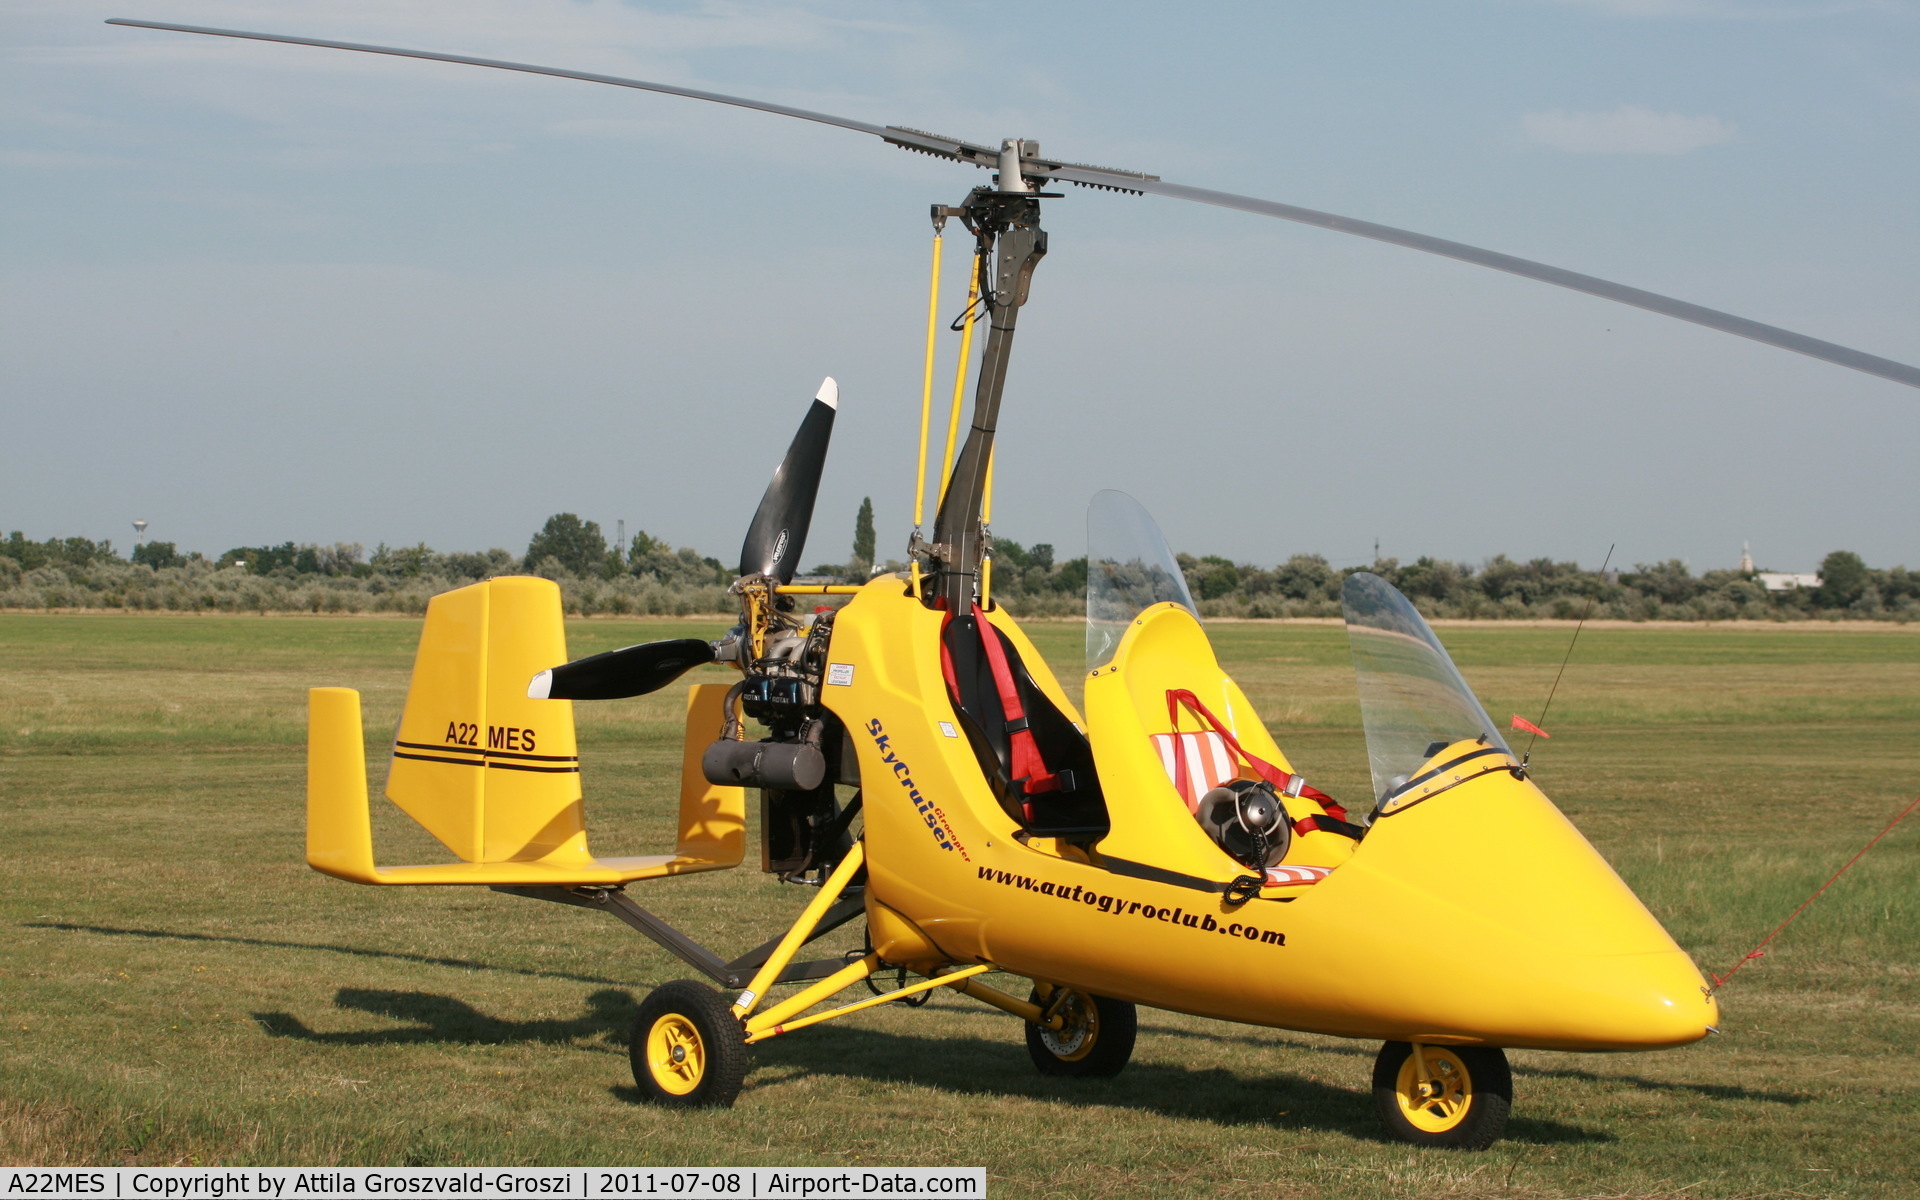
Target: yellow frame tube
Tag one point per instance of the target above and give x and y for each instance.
(926, 404)
(924, 985)
(1000, 1000)
(986, 522)
(802, 929)
(960, 377)
(800, 1002)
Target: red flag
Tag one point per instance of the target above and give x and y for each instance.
(1526, 726)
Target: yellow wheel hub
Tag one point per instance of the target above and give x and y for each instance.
(676, 1057)
(1441, 1103)
(1079, 1030)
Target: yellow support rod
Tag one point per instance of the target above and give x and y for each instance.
(800, 1002)
(802, 929)
(986, 522)
(818, 589)
(1006, 1003)
(911, 989)
(926, 404)
(960, 375)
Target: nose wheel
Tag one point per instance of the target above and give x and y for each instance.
(1455, 1096)
(688, 1049)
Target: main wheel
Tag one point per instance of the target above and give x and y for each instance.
(1463, 1103)
(688, 1049)
(1095, 1039)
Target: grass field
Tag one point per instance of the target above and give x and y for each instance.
(177, 987)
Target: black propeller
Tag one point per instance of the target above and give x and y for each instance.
(617, 674)
(1020, 165)
(773, 546)
(779, 530)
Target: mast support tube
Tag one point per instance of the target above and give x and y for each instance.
(1013, 222)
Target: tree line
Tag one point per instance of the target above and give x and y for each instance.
(649, 576)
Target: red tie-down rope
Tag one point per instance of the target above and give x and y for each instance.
(1761, 950)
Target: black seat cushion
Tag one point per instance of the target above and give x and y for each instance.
(1077, 814)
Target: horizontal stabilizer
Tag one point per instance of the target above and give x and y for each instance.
(490, 771)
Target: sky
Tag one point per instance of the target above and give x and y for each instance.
(256, 293)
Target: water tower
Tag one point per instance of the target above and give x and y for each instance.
(139, 533)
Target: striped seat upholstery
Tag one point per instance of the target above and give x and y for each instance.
(1208, 763)
(1288, 875)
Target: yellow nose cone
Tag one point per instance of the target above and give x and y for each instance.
(1482, 914)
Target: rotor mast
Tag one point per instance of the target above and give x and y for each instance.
(1005, 222)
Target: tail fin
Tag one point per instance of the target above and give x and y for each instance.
(488, 771)
(492, 774)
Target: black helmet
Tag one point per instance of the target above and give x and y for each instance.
(1247, 819)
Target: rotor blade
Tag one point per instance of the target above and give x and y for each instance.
(779, 530)
(529, 68)
(617, 674)
(1651, 301)
(1042, 170)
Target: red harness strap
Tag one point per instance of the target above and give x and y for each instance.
(1029, 769)
(1281, 780)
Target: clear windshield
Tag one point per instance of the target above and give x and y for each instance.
(1129, 569)
(1412, 699)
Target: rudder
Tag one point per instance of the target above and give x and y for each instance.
(493, 775)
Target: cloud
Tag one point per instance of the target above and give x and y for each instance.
(1629, 129)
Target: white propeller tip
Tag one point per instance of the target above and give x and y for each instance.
(829, 393)
(542, 686)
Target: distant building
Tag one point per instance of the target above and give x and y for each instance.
(1774, 581)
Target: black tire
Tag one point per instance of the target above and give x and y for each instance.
(688, 1049)
(1096, 1041)
(1470, 1093)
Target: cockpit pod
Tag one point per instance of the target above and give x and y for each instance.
(1471, 873)
(1207, 792)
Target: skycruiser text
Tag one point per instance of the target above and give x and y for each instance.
(929, 811)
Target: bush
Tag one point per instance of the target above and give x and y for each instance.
(650, 577)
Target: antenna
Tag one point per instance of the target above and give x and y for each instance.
(139, 533)
(620, 537)
(1528, 754)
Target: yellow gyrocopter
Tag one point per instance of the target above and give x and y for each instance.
(924, 772)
